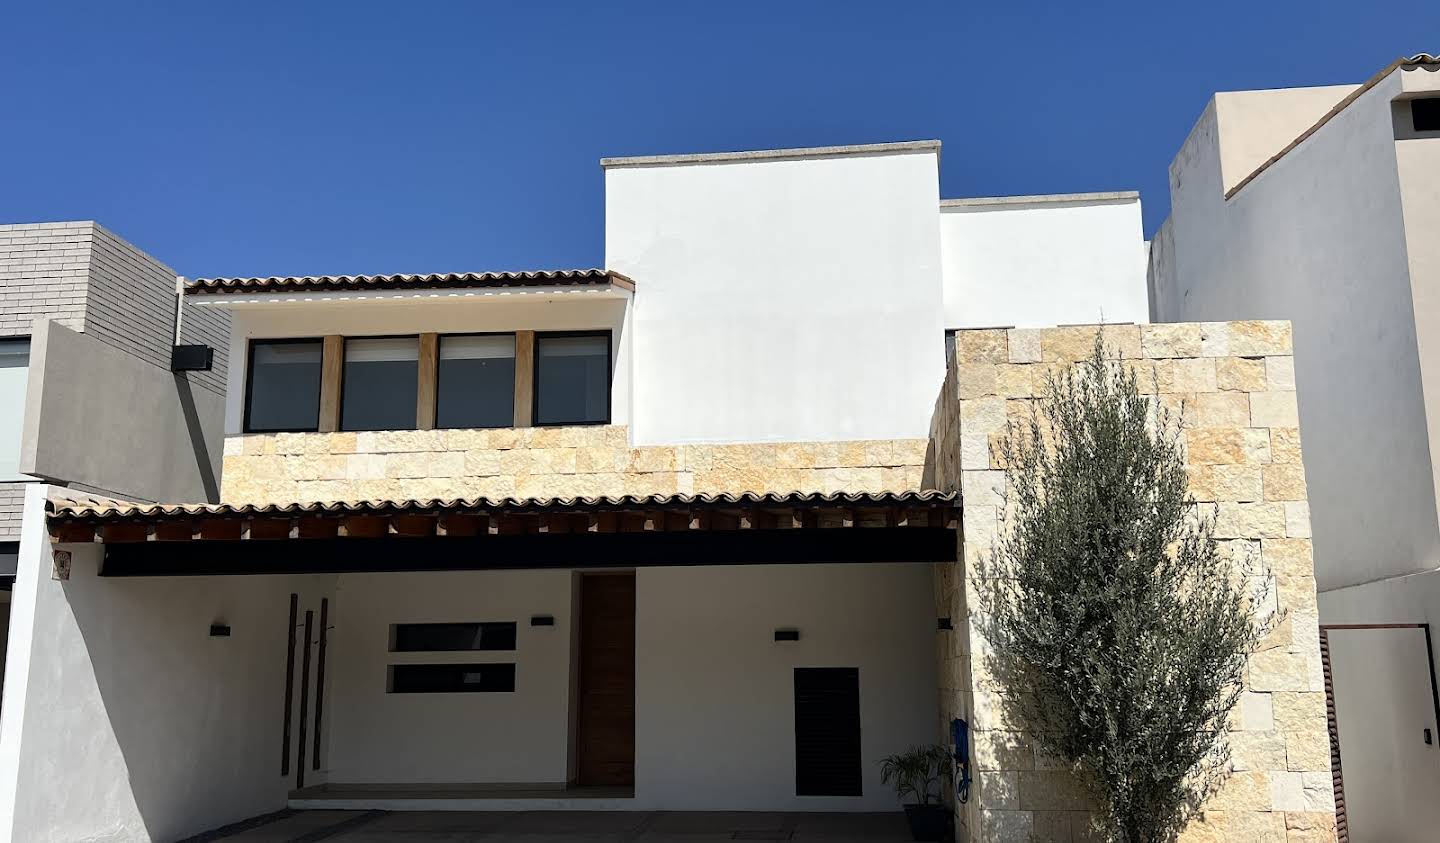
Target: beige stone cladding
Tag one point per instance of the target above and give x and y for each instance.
(545, 462)
(1236, 383)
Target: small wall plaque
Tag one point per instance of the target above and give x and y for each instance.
(787, 635)
(61, 562)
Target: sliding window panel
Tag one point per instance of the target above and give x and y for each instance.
(476, 381)
(572, 379)
(380, 384)
(283, 387)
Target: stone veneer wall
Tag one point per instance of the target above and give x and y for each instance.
(1236, 381)
(543, 462)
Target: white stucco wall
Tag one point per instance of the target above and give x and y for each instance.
(781, 299)
(1319, 239)
(463, 312)
(520, 737)
(122, 718)
(714, 700)
(1031, 262)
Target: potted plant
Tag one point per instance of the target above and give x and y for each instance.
(918, 776)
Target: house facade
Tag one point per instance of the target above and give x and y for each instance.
(1319, 205)
(689, 532)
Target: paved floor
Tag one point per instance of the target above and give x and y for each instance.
(568, 826)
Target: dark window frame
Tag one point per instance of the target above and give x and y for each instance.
(245, 425)
(609, 377)
(345, 354)
(439, 340)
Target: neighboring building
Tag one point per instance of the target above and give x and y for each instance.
(1322, 206)
(88, 400)
(680, 533)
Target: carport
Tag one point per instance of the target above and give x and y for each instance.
(642, 654)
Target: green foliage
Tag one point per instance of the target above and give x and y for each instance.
(1119, 634)
(917, 772)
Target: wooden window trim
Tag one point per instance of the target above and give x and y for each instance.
(250, 347)
(609, 377)
(524, 378)
(427, 386)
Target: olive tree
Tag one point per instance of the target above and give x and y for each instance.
(1119, 633)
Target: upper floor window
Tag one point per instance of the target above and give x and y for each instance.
(381, 379)
(14, 378)
(1425, 114)
(284, 386)
(475, 381)
(572, 378)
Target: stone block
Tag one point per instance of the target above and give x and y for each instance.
(467, 439)
(1003, 751)
(1259, 338)
(1250, 521)
(1307, 751)
(1287, 558)
(1257, 751)
(1279, 374)
(1225, 446)
(975, 380)
(342, 443)
(975, 452)
(1162, 340)
(365, 467)
(507, 438)
(986, 345)
(1067, 345)
(1278, 670)
(1273, 409)
(1243, 791)
(1236, 482)
(1215, 339)
(983, 415)
(398, 441)
(1052, 790)
(482, 462)
(1240, 374)
(654, 458)
(1024, 345)
(1297, 519)
(310, 466)
(1285, 445)
(1188, 375)
(1285, 482)
(1217, 409)
(1302, 792)
(983, 488)
(998, 790)
(1005, 826)
(552, 460)
(1256, 712)
(1053, 827)
(600, 459)
(910, 451)
(1310, 827)
(1299, 711)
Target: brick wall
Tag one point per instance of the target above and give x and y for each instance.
(130, 305)
(544, 462)
(44, 269)
(1236, 381)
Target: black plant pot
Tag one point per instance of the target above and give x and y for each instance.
(929, 822)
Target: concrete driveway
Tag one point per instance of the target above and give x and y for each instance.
(567, 826)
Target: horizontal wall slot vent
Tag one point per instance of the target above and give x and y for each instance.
(451, 637)
(451, 678)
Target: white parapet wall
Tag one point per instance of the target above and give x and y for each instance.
(1037, 261)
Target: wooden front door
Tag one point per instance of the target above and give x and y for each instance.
(605, 723)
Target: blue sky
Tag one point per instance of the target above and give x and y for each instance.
(255, 138)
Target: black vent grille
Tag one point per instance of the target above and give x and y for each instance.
(827, 731)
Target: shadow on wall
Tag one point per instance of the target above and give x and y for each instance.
(157, 729)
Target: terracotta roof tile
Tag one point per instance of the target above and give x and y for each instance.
(63, 509)
(445, 281)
